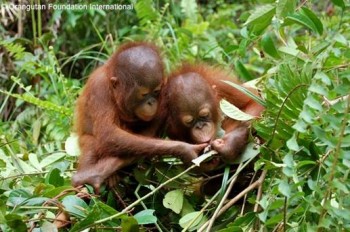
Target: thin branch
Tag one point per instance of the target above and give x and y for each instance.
(215, 215)
(239, 196)
(125, 210)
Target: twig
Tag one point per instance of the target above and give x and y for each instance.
(239, 196)
(233, 181)
(125, 210)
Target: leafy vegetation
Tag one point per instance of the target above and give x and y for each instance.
(297, 52)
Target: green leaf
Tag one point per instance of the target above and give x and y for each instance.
(98, 212)
(174, 200)
(285, 8)
(292, 143)
(261, 13)
(145, 217)
(249, 152)
(52, 159)
(246, 92)
(33, 159)
(339, 3)
(129, 224)
(188, 218)
(15, 222)
(145, 11)
(18, 197)
(75, 206)
(284, 188)
(316, 21)
(269, 46)
(47, 226)
(308, 19)
(233, 112)
(260, 19)
(54, 178)
(36, 131)
(242, 71)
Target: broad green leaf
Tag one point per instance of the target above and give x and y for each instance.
(316, 21)
(16, 222)
(285, 8)
(33, 159)
(246, 92)
(242, 71)
(292, 143)
(308, 19)
(75, 206)
(100, 211)
(269, 46)
(284, 188)
(18, 197)
(145, 217)
(23, 166)
(188, 218)
(174, 200)
(52, 159)
(129, 224)
(249, 152)
(339, 3)
(54, 178)
(72, 146)
(233, 112)
(261, 13)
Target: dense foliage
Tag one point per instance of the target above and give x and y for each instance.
(296, 52)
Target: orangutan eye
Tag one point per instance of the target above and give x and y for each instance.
(187, 119)
(204, 113)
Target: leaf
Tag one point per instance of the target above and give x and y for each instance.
(18, 197)
(339, 3)
(40, 103)
(52, 159)
(47, 226)
(285, 7)
(242, 71)
(233, 112)
(261, 13)
(316, 21)
(269, 46)
(15, 222)
(36, 131)
(284, 188)
(188, 218)
(129, 224)
(33, 159)
(258, 27)
(249, 152)
(75, 206)
(174, 200)
(145, 11)
(72, 146)
(292, 143)
(308, 19)
(246, 92)
(54, 178)
(145, 217)
(98, 212)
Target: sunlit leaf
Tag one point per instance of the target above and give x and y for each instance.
(233, 112)
(75, 206)
(145, 217)
(174, 200)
